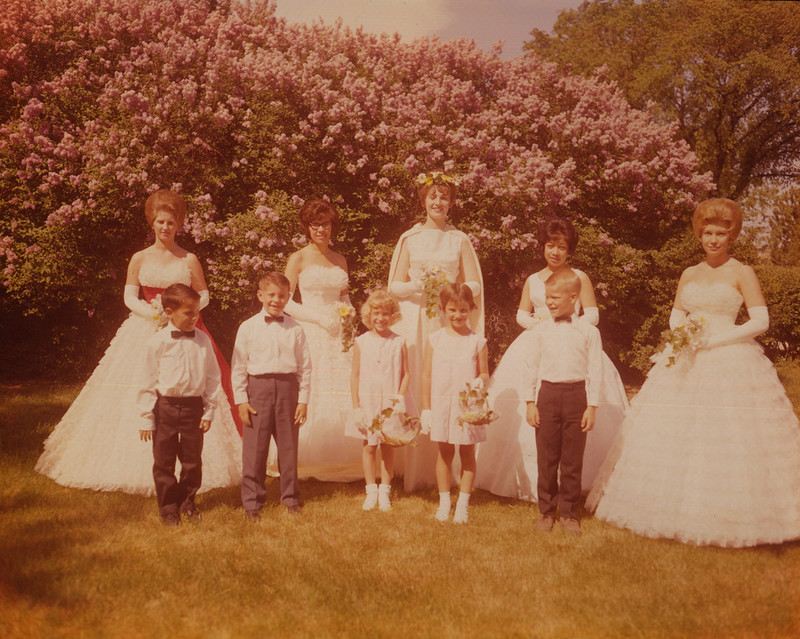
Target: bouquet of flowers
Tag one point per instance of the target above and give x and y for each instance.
(687, 337)
(159, 316)
(348, 322)
(474, 402)
(395, 426)
(433, 280)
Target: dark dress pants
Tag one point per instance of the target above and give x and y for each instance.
(559, 440)
(274, 398)
(177, 436)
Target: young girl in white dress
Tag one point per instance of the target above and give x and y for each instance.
(320, 274)
(454, 356)
(710, 450)
(96, 444)
(430, 245)
(379, 380)
(507, 459)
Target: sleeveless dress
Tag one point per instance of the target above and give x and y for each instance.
(96, 444)
(426, 247)
(507, 463)
(380, 373)
(709, 452)
(324, 452)
(455, 362)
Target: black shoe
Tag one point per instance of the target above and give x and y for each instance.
(296, 509)
(252, 515)
(171, 519)
(192, 514)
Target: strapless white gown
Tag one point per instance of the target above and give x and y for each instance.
(709, 452)
(507, 463)
(324, 452)
(96, 444)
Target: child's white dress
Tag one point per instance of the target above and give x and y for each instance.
(709, 452)
(507, 463)
(454, 363)
(379, 375)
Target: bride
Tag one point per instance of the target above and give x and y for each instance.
(320, 273)
(96, 444)
(507, 463)
(710, 450)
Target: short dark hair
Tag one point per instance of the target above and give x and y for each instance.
(273, 277)
(553, 227)
(456, 291)
(177, 295)
(318, 211)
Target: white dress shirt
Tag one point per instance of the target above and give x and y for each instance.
(178, 367)
(568, 351)
(270, 347)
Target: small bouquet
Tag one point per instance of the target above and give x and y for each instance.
(348, 322)
(474, 402)
(433, 280)
(395, 426)
(159, 316)
(687, 337)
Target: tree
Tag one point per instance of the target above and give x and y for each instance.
(728, 71)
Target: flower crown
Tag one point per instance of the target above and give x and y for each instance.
(435, 177)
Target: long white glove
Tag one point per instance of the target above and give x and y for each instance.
(405, 289)
(591, 315)
(425, 421)
(757, 324)
(204, 299)
(525, 319)
(299, 312)
(474, 286)
(677, 318)
(138, 306)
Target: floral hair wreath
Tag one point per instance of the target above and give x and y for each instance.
(435, 177)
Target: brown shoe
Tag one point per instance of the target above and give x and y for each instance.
(545, 523)
(571, 526)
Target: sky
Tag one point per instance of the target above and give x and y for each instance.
(485, 21)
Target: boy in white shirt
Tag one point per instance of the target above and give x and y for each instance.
(176, 400)
(565, 365)
(271, 378)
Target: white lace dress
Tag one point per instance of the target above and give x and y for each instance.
(96, 444)
(709, 452)
(507, 463)
(324, 452)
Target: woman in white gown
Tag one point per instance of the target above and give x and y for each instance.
(710, 450)
(320, 273)
(507, 459)
(430, 246)
(96, 444)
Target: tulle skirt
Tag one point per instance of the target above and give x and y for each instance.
(708, 454)
(507, 463)
(96, 444)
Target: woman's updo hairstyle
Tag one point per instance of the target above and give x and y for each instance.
(164, 200)
(720, 211)
(318, 211)
(551, 228)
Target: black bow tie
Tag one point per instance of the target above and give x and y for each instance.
(178, 334)
(273, 318)
(563, 318)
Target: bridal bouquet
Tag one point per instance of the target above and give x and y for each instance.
(159, 316)
(433, 280)
(348, 322)
(474, 401)
(686, 338)
(395, 426)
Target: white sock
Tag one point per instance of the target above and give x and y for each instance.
(460, 516)
(384, 503)
(443, 513)
(371, 500)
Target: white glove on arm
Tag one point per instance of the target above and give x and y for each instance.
(757, 324)
(676, 318)
(525, 319)
(404, 289)
(138, 307)
(425, 421)
(299, 312)
(591, 315)
(473, 286)
(204, 299)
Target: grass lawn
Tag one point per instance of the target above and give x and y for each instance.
(76, 563)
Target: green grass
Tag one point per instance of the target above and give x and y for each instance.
(76, 563)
